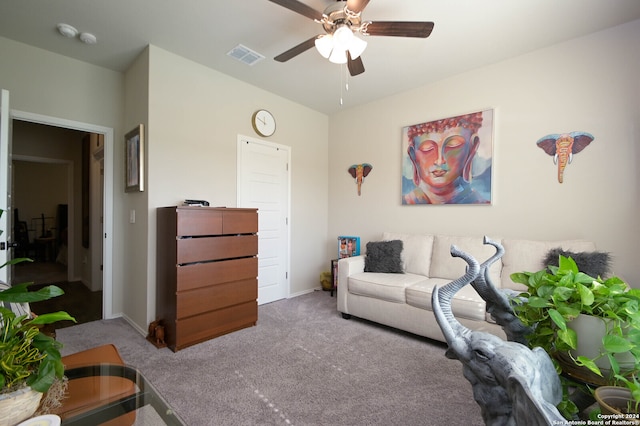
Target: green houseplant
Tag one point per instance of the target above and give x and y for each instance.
(556, 296)
(28, 356)
(29, 359)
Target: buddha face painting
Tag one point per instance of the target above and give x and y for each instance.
(441, 155)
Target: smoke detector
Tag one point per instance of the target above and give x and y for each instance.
(88, 38)
(67, 30)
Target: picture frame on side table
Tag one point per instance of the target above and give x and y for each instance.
(348, 246)
(134, 160)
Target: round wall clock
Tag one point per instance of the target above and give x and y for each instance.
(263, 122)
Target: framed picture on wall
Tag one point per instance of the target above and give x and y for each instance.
(449, 160)
(134, 160)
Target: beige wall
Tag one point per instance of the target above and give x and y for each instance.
(589, 84)
(138, 292)
(67, 89)
(195, 117)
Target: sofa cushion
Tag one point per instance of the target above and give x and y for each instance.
(466, 303)
(390, 287)
(443, 265)
(416, 251)
(384, 256)
(529, 255)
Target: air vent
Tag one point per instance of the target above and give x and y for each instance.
(245, 55)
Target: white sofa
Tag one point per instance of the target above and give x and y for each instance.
(403, 300)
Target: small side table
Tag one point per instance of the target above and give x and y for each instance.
(334, 275)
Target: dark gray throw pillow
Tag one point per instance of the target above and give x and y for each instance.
(594, 264)
(384, 256)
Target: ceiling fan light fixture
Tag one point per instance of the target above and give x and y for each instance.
(342, 37)
(338, 56)
(356, 47)
(324, 45)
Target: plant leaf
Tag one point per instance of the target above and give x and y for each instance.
(568, 312)
(562, 293)
(538, 302)
(583, 278)
(569, 337)
(616, 344)
(586, 295)
(16, 260)
(558, 319)
(45, 377)
(20, 294)
(52, 317)
(520, 277)
(566, 265)
(615, 367)
(583, 361)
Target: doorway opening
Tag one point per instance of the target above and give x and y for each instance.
(98, 255)
(53, 174)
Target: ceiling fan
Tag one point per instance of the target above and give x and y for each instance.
(341, 22)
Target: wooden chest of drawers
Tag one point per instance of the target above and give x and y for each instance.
(207, 269)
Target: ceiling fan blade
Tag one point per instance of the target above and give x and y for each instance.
(398, 29)
(355, 66)
(296, 50)
(300, 8)
(357, 6)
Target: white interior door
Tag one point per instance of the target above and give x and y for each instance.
(263, 183)
(5, 182)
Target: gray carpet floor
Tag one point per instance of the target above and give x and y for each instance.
(301, 365)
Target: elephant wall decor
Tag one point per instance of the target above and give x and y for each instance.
(359, 172)
(513, 385)
(563, 146)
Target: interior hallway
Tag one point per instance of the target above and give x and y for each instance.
(80, 302)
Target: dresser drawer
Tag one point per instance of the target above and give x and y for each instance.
(195, 302)
(212, 324)
(239, 222)
(191, 250)
(199, 221)
(198, 275)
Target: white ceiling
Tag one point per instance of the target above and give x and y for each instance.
(468, 34)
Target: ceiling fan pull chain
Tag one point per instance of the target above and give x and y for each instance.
(341, 81)
(346, 77)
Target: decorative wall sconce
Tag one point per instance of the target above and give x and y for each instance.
(359, 172)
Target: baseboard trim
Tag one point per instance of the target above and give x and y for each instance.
(134, 325)
(303, 292)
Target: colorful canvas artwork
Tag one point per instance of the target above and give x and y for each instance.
(448, 161)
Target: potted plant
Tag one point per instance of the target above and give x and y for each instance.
(556, 296)
(619, 401)
(30, 361)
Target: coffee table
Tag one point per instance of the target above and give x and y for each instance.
(144, 397)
